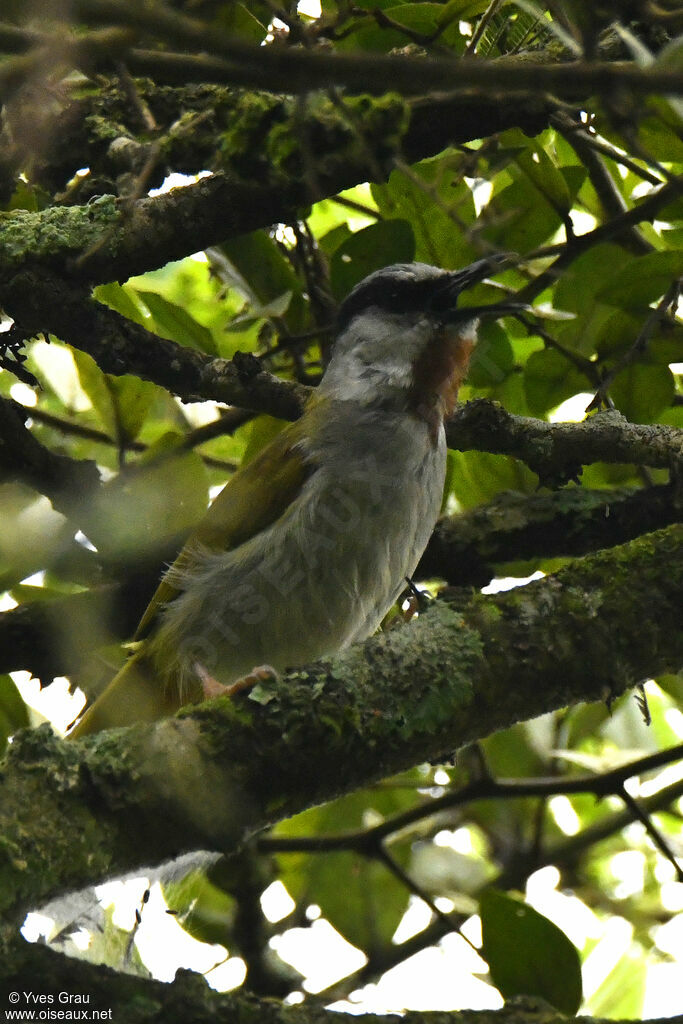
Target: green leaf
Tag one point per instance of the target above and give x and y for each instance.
(642, 391)
(366, 908)
(174, 322)
(521, 218)
(576, 289)
(262, 273)
(510, 753)
(239, 21)
(151, 503)
(643, 280)
(438, 204)
(527, 954)
(94, 383)
(333, 238)
(583, 722)
(417, 19)
(202, 909)
(132, 398)
(13, 712)
(121, 298)
(666, 345)
(427, 18)
(621, 994)
(478, 476)
(493, 357)
(122, 403)
(359, 897)
(542, 172)
(28, 196)
(550, 378)
(260, 432)
(616, 332)
(659, 134)
(673, 685)
(387, 241)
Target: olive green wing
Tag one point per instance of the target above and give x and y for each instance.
(252, 499)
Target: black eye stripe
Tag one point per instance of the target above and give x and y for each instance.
(395, 296)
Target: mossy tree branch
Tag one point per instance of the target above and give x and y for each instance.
(145, 1001)
(466, 550)
(556, 451)
(73, 813)
(64, 480)
(298, 69)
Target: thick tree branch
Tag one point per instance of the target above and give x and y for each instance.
(289, 69)
(189, 998)
(466, 549)
(45, 302)
(208, 126)
(556, 451)
(266, 179)
(128, 797)
(67, 482)
(293, 69)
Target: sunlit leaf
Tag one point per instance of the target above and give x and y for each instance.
(202, 909)
(439, 206)
(550, 378)
(388, 241)
(122, 402)
(622, 992)
(479, 476)
(13, 711)
(172, 321)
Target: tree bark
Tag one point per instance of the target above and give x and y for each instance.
(73, 813)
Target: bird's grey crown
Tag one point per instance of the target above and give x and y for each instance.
(405, 288)
(399, 288)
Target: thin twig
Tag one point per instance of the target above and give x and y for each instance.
(562, 852)
(651, 829)
(223, 425)
(452, 922)
(582, 364)
(639, 346)
(638, 213)
(362, 840)
(569, 126)
(482, 26)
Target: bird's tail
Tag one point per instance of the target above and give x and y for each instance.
(135, 694)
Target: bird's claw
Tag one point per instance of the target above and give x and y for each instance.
(212, 688)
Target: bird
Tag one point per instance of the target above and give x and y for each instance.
(309, 545)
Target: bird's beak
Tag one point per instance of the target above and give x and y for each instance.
(494, 310)
(453, 284)
(459, 280)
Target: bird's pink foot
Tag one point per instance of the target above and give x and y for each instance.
(212, 688)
